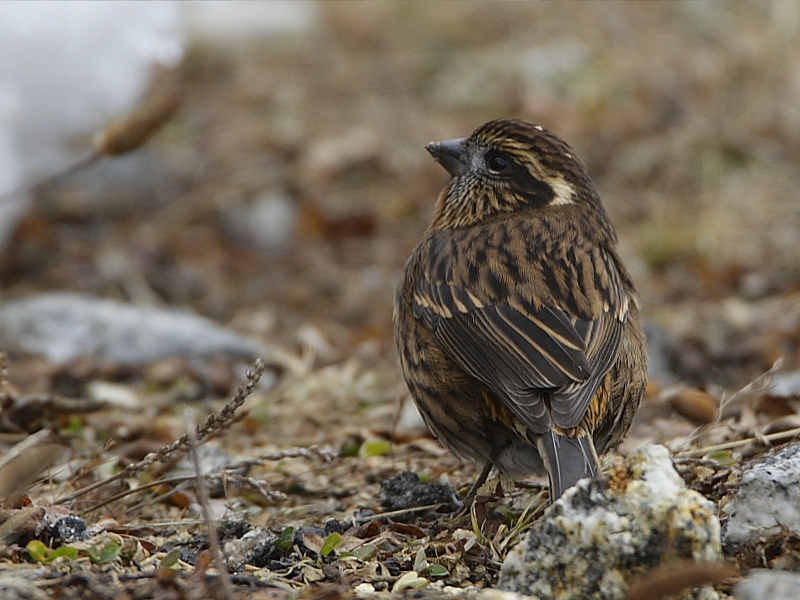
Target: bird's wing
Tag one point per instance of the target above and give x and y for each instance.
(543, 360)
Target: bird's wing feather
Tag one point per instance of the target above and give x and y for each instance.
(527, 352)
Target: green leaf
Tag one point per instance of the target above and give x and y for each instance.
(420, 561)
(94, 558)
(37, 551)
(285, 539)
(349, 447)
(723, 457)
(67, 551)
(434, 571)
(366, 551)
(424, 477)
(74, 427)
(110, 552)
(171, 558)
(375, 447)
(330, 544)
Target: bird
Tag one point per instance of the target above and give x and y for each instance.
(516, 323)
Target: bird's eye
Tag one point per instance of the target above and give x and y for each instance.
(497, 162)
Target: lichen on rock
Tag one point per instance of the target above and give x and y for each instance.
(602, 534)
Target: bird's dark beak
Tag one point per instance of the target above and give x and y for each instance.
(451, 154)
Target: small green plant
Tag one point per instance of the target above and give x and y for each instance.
(171, 559)
(285, 539)
(375, 447)
(108, 553)
(426, 569)
(330, 544)
(44, 555)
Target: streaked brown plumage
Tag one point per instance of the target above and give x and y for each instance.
(516, 322)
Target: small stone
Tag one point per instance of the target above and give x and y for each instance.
(269, 222)
(115, 394)
(766, 502)
(364, 590)
(495, 594)
(762, 584)
(256, 548)
(601, 535)
(69, 529)
(409, 581)
(407, 491)
(785, 385)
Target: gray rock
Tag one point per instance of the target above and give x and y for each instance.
(786, 385)
(763, 584)
(768, 499)
(268, 222)
(254, 548)
(658, 343)
(601, 535)
(64, 327)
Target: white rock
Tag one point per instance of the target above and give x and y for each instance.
(764, 584)
(601, 535)
(232, 22)
(114, 394)
(268, 222)
(364, 590)
(409, 581)
(64, 327)
(66, 69)
(768, 499)
(786, 385)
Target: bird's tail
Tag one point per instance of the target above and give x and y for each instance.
(567, 459)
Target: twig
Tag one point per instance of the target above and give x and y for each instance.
(215, 422)
(144, 486)
(780, 435)
(235, 478)
(202, 498)
(761, 382)
(120, 136)
(395, 513)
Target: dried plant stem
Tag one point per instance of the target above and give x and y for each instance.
(759, 383)
(119, 137)
(311, 452)
(396, 513)
(214, 423)
(772, 437)
(762, 382)
(267, 495)
(203, 499)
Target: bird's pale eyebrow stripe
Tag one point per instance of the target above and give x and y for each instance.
(563, 192)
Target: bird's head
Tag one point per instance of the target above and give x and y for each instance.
(508, 165)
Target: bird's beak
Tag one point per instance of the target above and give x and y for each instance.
(451, 154)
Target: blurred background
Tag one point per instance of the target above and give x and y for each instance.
(282, 199)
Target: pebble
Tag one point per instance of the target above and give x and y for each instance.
(767, 500)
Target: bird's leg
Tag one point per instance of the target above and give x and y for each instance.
(478, 483)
